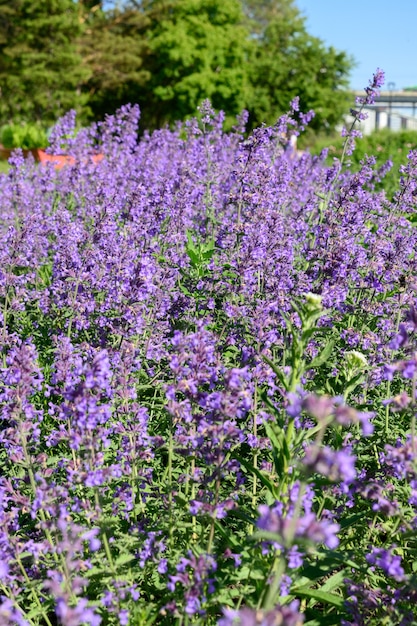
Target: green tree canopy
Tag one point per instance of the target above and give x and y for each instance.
(286, 62)
(41, 72)
(114, 51)
(168, 56)
(197, 49)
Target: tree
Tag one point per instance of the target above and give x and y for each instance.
(286, 62)
(114, 51)
(91, 5)
(196, 49)
(260, 13)
(169, 55)
(41, 72)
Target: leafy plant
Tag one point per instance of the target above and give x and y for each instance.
(385, 146)
(207, 383)
(25, 136)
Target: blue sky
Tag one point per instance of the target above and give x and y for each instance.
(378, 33)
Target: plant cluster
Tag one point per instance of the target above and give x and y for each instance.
(25, 136)
(208, 382)
(168, 56)
(41, 64)
(383, 145)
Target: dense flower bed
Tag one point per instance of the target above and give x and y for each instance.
(208, 382)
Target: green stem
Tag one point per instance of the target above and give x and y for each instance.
(387, 409)
(413, 418)
(170, 500)
(279, 562)
(255, 454)
(273, 589)
(262, 595)
(33, 592)
(105, 540)
(216, 500)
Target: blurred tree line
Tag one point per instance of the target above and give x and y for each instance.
(166, 55)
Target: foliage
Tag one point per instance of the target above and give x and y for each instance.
(196, 50)
(26, 136)
(114, 51)
(287, 62)
(166, 55)
(384, 145)
(41, 72)
(208, 382)
(170, 55)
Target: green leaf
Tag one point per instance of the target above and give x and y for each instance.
(352, 384)
(320, 596)
(273, 436)
(35, 612)
(334, 581)
(254, 470)
(322, 357)
(226, 534)
(102, 572)
(327, 562)
(122, 559)
(307, 334)
(351, 520)
(267, 535)
(194, 258)
(411, 217)
(276, 369)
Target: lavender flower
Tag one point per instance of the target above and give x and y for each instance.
(372, 90)
(74, 616)
(145, 417)
(10, 615)
(292, 526)
(334, 464)
(284, 615)
(388, 562)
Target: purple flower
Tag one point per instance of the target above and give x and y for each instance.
(346, 415)
(75, 616)
(10, 615)
(372, 90)
(411, 316)
(124, 617)
(387, 561)
(319, 407)
(140, 357)
(91, 536)
(194, 575)
(292, 527)
(400, 340)
(285, 615)
(295, 558)
(334, 464)
(4, 569)
(400, 460)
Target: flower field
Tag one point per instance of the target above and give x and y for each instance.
(208, 381)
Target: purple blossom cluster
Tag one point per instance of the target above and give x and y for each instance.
(296, 523)
(197, 338)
